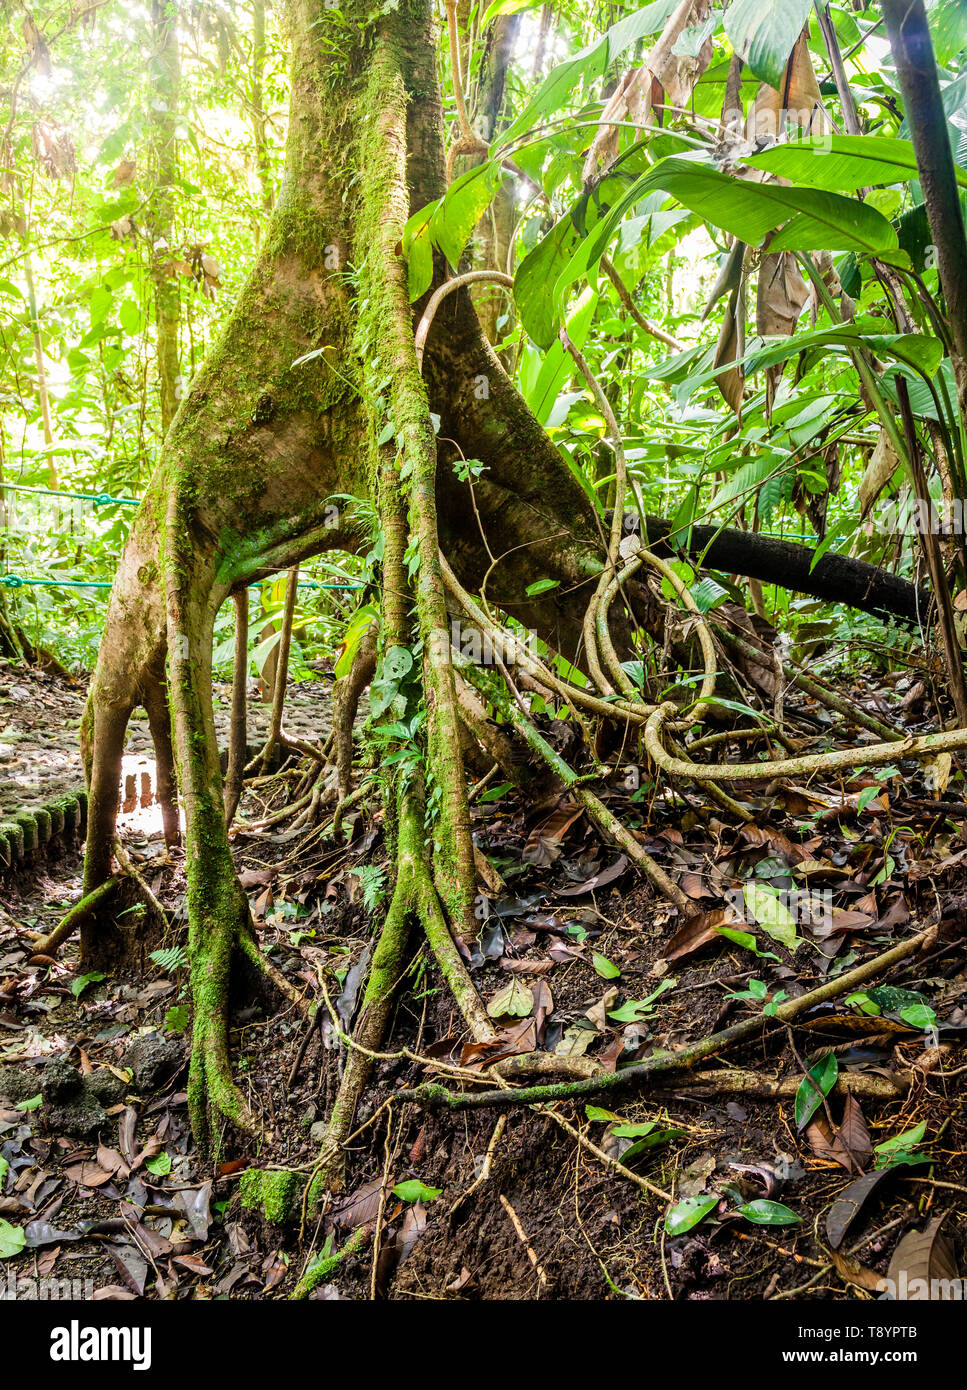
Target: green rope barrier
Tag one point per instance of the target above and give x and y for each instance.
(17, 581)
(100, 499)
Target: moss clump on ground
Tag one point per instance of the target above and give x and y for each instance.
(274, 1191)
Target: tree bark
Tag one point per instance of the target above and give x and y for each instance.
(288, 413)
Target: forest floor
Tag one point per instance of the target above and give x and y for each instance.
(99, 1173)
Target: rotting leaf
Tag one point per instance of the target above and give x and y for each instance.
(514, 1000)
(855, 1273)
(850, 1203)
(697, 933)
(923, 1266)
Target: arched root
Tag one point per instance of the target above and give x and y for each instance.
(80, 913)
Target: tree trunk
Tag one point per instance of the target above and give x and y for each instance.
(262, 443)
(166, 67)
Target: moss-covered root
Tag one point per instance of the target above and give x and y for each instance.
(218, 911)
(102, 744)
(323, 1268)
(80, 913)
(273, 1191)
(249, 946)
(238, 731)
(216, 927)
(385, 211)
(386, 969)
(448, 958)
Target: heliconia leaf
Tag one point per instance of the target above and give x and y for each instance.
(536, 278)
(814, 218)
(461, 207)
(592, 62)
(764, 33)
(845, 163)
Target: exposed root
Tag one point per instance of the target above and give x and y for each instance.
(345, 704)
(386, 969)
(250, 948)
(641, 1074)
(238, 733)
(80, 913)
(870, 755)
(867, 1086)
(326, 1266)
(281, 669)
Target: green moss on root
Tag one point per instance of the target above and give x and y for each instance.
(273, 1191)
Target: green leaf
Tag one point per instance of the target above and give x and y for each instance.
(605, 968)
(495, 793)
(461, 208)
(79, 985)
(633, 1131)
(541, 586)
(130, 316)
(561, 82)
(34, 1103)
(814, 219)
(765, 1213)
(764, 33)
(919, 1016)
(900, 1149)
(418, 249)
(4, 1170)
(415, 1191)
(176, 1018)
(500, 7)
(357, 627)
(846, 163)
(536, 278)
(688, 1213)
(419, 265)
(595, 1112)
(169, 958)
(99, 304)
(746, 940)
(948, 29)
(397, 663)
(762, 902)
(635, 1009)
(12, 1240)
(160, 1165)
(808, 1097)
